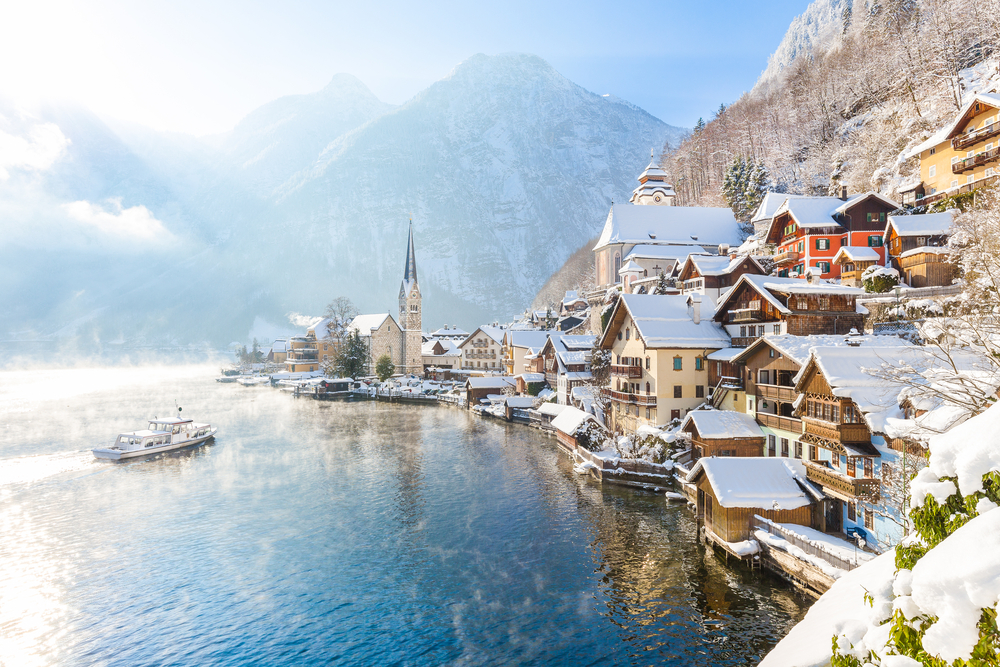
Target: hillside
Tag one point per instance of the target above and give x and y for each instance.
(576, 273)
(844, 98)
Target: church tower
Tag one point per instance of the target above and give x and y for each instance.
(653, 188)
(410, 360)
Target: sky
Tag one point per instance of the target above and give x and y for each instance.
(199, 66)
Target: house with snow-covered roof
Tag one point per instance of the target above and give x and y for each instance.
(519, 346)
(566, 363)
(382, 336)
(917, 247)
(278, 351)
(808, 231)
(766, 305)
(483, 349)
(960, 157)
(710, 274)
(572, 304)
(441, 353)
(761, 219)
(853, 261)
(659, 344)
(723, 433)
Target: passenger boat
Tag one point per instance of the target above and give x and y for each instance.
(161, 435)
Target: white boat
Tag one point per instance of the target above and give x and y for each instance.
(162, 435)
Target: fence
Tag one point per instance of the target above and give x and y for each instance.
(760, 523)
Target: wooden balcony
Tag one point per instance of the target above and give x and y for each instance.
(970, 163)
(647, 400)
(743, 341)
(745, 315)
(842, 485)
(786, 257)
(773, 392)
(836, 432)
(626, 371)
(951, 192)
(963, 141)
(783, 423)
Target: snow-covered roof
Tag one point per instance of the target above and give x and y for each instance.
(726, 354)
(629, 267)
(932, 250)
(851, 201)
(578, 341)
(658, 225)
(522, 402)
(757, 482)
(574, 357)
(532, 377)
(796, 348)
(571, 297)
(718, 265)
(492, 382)
(571, 419)
(715, 424)
(857, 254)
(279, 345)
(766, 286)
(664, 321)
(769, 204)
(946, 132)
(450, 348)
(494, 333)
(532, 340)
(551, 408)
(928, 224)
(453, 331)
(364, 324)
(678, 252)
(814, 211)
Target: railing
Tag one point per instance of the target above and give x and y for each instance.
(906, 328)
(743, 341)
(853, 487)
(970, 138)
(786, 257)
(968, 163)
(837, 432)
(951, 192)
(760, 523)
(480, 355)
(744, 315)
(626, 371)
(624, 397)
(777, 421)
(774, 392)
(302, 357)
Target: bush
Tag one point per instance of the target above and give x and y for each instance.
(384, 368)
(879, 279)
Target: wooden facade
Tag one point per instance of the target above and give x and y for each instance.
(742, 447)
(732, 524)
(926, 269)
(690, 273)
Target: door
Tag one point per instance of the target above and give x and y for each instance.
(834, 514)
(675, 414)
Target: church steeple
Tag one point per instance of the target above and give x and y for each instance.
(653, 187)
(409, 312)
(410, 270)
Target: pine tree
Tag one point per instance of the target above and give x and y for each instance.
(384, 368)
(352, 358)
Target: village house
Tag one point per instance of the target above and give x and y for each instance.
(725, 383)
(762, 217)
(305, 354)
(441, 353)
(917, 247)
(278, 351)
(808, 231)
(852, 261)
(659, 345)
(961, 156)
(566, 363)
(572, 304)
(723, 433)
(381, 335)
(483, 349)
(709, 275)
(478, 390)
(765, 305)
(521, 349)
(448, 333)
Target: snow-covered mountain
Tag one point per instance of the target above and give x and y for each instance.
(819, 24)
(132, 236)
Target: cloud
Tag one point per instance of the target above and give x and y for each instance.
(38, 150)
(304, 321)
(135, 223)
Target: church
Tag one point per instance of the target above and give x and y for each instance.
(401, 340)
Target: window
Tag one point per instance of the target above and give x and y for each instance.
(647, 413)
(798, 449)
(619, 334)
(875, 241)
(851, 512)
(852, 468)
(784, 447)
(699, 391)
(843, 241)
(989, 172)
(678, 363)
(932, 172)
(771, 445)
(677, 391)
(835, 413)
(869, 519)
(647, 363)
(743, 331)
(822, 244)
(812, 452)
(802, 246)
(697, 363)
(933, 151)
(970, 178)
(628, 333)
(921, 241)
(718, 368)
(869, 466)
(954, 183)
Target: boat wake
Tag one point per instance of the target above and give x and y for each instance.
(28, 469)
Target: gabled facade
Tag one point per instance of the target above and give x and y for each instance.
(852, 262)
(763, 305)
(521, 349)
(441, 353)
(917, 247)
(960, 157)
(483, 349)
(565, 361)
(382, 335)
(709, 275)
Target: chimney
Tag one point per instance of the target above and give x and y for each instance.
(809, 275)
(723, 249)
(695, 300)
(843, 193)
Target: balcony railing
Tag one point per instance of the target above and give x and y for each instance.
(743, 341)
(852, 487)
(968, 163)
(963, 141)
(626, 371)
(773, 392)
(648, 400)
(783, 423)
(951, 192)
(745, 315)
(786, 257)
(836, 432)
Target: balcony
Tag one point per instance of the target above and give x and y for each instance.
(743, 341)
(963, 141)
(851, 487)
(786, 257)
(970, 163)
(480, 355)
(783, 423)
(626, 371)
(647, 400)
(744, 315)
(951, 192)
(836, 432)
(773, 392)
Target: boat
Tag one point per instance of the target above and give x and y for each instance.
(161, 435)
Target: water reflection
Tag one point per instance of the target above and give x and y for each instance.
(346, 533)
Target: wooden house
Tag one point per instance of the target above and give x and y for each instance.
(478, 388)
(853, 261)
(731, 490)
(918, 248)
(723, 433)
(710, 274)
(759, 305)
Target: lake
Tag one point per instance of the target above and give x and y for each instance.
(346, 533)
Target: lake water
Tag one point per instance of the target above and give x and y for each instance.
(340, 533)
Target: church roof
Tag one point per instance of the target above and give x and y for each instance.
(410, 270)
(364, 324)
(664, 225)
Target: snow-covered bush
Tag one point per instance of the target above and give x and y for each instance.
(593, 437)
(878, 279)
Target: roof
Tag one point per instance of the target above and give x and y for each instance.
(519, 401)
(364, 324)
(630, 267)
(796, 348)
(551, 408)
(657, 225)
(532, 377)
(929, 224)
(933, 250)
(769, 204)
(716, 424)
(494, 333)
(532, 340)
(453, 331)
(946, 132)
(857, 254)
(494, 382)
(410, 269)
(279, 345)
(719, 265)
(766, 286)
(726, 354)
(571, 419)
(851, 201)
(758, 482)
(663, 321)
(675, 251)
(572, 296)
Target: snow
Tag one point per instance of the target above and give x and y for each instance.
(713, 424)
(931, 250)
(797, 348)
(841, 611)
(744, 548)
(364, 324)
(532, 377)
(520, 402)
(551, 408)
(670, 251)
(663, 321)
(928, 224)
(814, 211)
(533, 340)
(630, 267)
(769, 204)
(661, 225)
(726, 354)
(767, 483)
(673, 495)
(495, 382)
(571, 419)
(857, 254)
(766, 286)
(832, 544)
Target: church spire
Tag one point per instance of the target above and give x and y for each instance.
(410, 270)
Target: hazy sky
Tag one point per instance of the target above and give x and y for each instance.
(198, 66)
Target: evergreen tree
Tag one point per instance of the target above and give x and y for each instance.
(744, 185)
(352, 358)
(384, 368)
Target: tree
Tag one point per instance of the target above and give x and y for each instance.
(744, 186)
(351, 360)
(256, 356)
(879, 279)
(339, 313)
(384, 368)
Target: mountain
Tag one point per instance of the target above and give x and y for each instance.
(506, 167)
(819, 25)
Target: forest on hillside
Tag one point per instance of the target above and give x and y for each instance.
(846, 112)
